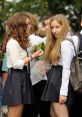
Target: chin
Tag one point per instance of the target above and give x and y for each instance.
(56, 36)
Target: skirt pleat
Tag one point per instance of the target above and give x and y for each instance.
(18, 88)
(52, 89)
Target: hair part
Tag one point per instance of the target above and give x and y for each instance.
(52, 49)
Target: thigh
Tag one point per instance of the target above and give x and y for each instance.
(15, 111)
(60, 109)
(52, 111)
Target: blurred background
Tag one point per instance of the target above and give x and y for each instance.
(71, 8)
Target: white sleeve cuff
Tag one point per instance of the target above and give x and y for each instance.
(64, 92)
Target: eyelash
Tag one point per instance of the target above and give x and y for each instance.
(55, 27)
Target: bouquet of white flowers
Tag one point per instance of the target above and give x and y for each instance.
(40, 69)
(39, 46)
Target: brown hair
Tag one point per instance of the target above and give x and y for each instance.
(52, 49)
(16, 28)
(33, 21)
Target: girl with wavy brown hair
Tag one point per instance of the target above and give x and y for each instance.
(38, 81)
(59, 52)
(18, 87)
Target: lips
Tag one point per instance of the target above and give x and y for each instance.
(55, 34)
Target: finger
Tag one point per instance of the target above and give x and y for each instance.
(62, 101)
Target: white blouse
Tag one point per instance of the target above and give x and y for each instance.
(67, 54)
(15, 55)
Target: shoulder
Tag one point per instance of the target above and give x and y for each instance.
(66, 42)
(66, 45)
(12, 43)
(75, 40)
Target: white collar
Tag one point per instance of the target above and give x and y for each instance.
(81, 31)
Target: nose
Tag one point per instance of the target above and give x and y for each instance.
(54, 30)
(29, 25)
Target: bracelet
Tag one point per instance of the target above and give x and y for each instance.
(31, 58)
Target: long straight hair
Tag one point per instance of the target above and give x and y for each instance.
(53, 44)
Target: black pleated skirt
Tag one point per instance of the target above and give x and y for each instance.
(52, 89)
(18, 88)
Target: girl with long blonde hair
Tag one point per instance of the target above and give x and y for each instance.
(58, 53)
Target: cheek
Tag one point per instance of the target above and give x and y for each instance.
(28, 28)
(59, 32)
(52, 30)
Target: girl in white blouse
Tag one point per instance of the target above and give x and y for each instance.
(18, 88)
(59, 52)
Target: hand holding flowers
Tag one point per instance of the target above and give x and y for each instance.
(37, 53)
(40, 67)
(39, 46)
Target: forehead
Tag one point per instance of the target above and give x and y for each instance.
(55, 22)
(46, 21)
(27, 20)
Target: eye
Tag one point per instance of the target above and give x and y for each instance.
(28, 24)
(57, 27)
(52, 27)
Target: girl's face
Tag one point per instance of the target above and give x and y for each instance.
(28, 25)
(56, 28)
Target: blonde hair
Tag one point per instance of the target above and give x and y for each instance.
(52, 49)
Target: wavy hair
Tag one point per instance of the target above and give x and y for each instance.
(16, 28)
(33, 21)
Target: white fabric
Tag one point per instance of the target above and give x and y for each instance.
(15, 55)
(67, 54)
(35, 78)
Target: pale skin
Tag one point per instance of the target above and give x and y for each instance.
(52, 111)
(58, 109)
(4, 77)
(46, 24)
(16, 110)
(36, 54)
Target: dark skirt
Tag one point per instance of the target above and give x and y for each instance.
(18, 88)
(52, 89)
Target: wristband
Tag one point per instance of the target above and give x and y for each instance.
(31, 58)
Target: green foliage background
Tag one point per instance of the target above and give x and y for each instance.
(42, 8)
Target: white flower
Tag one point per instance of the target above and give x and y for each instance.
(40, 69)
